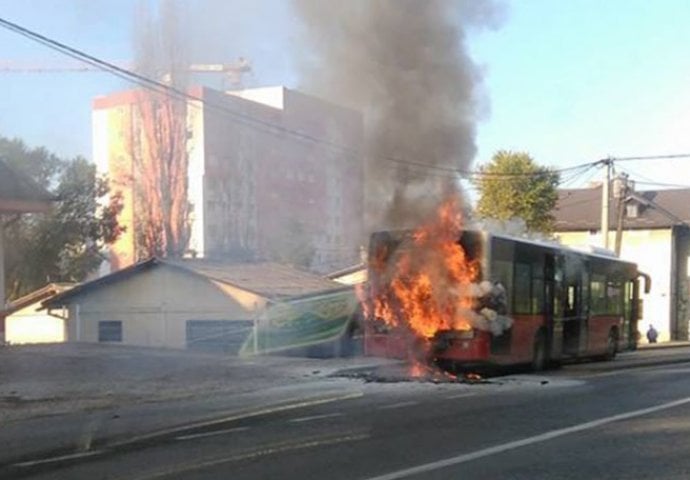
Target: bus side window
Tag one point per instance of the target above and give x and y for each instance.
(537, 295)
(502, 272)
(614, 293)
(598, 298)
(570, 301)
(523, 296)
(628, 301)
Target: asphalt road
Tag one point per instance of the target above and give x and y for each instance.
(572, 423)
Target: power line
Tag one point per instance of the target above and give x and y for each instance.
(650, 181)
(577, 175)
(171, 91)
(497, 175)
(159, 87)
(648, 157)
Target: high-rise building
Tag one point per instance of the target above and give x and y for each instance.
(272, 173)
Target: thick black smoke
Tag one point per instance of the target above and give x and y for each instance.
(405, 64)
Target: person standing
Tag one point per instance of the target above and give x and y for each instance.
(652, 334)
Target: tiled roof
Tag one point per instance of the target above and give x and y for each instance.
(269, 280)
(41, 294)
(580, 209)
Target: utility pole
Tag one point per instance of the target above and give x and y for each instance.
(605, 201)
(620, 192)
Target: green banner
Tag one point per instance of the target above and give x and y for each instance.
(302, 322)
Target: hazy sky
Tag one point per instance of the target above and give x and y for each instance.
(567, 81)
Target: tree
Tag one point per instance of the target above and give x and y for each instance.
(66, 243)
(159, 147)
(512, 186)
(163, 210)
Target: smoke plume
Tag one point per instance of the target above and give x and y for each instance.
(405, 65)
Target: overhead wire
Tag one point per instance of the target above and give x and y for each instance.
(650, 181)
(649, 157)
(160, 87)
(173, 92)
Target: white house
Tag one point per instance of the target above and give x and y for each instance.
(18, 194)
(196, 304)
(27, 321)
(655, 235)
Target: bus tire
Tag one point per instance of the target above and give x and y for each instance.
(539, 353)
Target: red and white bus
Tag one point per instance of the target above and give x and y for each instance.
(564, 304)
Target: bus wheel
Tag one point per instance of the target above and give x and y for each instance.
(539, 359)
(611, 345)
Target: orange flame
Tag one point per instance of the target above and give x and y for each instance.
(417, 370)
(426, 285)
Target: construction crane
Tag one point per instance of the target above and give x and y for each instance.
(232, 72)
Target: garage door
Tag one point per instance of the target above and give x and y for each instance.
(225, 336)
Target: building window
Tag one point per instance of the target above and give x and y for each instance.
(110, 331)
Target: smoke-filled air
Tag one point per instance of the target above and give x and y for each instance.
(404, 64)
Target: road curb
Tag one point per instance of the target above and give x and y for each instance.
(653, 363)
(613, 367)
(662, 346)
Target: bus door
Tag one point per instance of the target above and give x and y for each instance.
(553, 320)
(629, 328)
(573, 300)
(637, 309)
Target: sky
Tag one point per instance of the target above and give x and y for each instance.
(568, 82)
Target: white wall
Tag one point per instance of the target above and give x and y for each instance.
(195, 175)
(154, 306)
(270, 96)
(31, 325)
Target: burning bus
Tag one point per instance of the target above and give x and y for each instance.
(461, 298)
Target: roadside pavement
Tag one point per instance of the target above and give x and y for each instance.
(75, 397)
(135, 394)
(668, 353)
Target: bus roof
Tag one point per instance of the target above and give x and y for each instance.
(588, 250)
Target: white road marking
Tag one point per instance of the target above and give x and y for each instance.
(460, 395)
(486, 452)
(61, 458)
(261, 452)
(665, 368)
(238, 416)
(315, 417)
(211, 434)
(398, 405)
